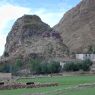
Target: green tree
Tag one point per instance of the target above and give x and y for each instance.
(18, 63)
(5, 68)
(35, 66)
(76, 66)
(86, 64)
(44, 68)
(54, 67)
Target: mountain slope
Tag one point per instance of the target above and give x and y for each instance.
(77, 27)
(30, 37)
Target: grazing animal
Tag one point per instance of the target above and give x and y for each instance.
(29, 83)
(1, 83)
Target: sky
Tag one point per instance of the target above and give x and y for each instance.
(50, 11)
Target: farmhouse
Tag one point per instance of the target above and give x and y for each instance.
(85, 56)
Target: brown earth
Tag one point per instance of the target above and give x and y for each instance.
(77, 27)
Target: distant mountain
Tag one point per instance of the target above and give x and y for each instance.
(32, 38)
(77, 27)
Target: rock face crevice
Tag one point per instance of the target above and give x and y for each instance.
(78, 27)
(30, 37)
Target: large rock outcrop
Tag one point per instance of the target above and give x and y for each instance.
(77, 27)
(30, 37)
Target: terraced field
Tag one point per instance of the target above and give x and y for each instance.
(71, 85)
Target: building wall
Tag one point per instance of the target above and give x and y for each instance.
(80, 56)
(85, 56)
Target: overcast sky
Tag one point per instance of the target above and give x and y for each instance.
(50, 11)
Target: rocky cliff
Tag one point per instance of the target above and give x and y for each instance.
(30, 37)
(77, 27)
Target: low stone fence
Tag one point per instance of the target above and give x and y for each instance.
(20, 85)
(5, 76)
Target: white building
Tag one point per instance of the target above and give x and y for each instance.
(85, 56)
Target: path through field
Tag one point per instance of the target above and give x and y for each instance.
(67, 90)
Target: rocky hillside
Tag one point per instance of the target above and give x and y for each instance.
(30, 37)
(78, 27)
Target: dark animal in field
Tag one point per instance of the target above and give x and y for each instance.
(30, 83)
(1, 83)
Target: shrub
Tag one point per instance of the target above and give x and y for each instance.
(76, 66)
(44, 68)
(86, 65)
(18, 64)
(71, 66)
(37, 67)
(5, 68)
(53, 67)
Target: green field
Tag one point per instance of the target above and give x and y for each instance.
(65, 86)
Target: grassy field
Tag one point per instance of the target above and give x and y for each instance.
(64, 88)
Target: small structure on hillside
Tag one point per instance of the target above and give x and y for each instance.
(5, 76)
(85, 56)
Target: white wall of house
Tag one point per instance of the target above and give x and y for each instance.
(80, 56)
(85, 56)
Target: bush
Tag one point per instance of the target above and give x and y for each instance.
(86, 65)
(76, 66)
(5, 68)
(71, 66)
(37, 67)
(44, 68)
(54, 67)
(18, 63)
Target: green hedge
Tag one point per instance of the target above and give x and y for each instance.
(76, 66)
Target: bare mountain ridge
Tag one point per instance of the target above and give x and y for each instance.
(77, 27)
(30, 37)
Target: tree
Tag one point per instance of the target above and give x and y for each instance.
(70, 66)
(54, 67)
(35, 65)
(5, 68)
(57, 67)
(76, 66)
(18, 64)
(86, 64)
(44, 68)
